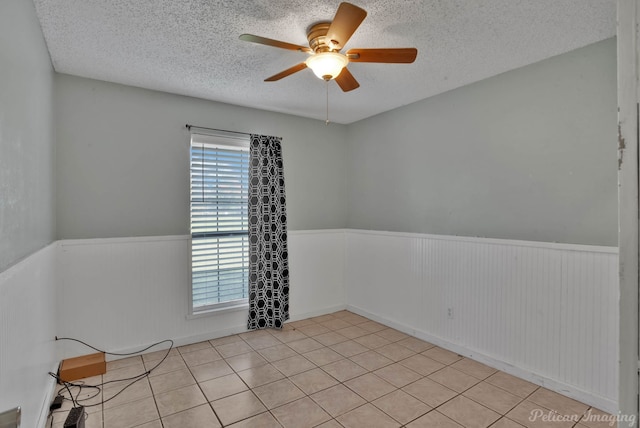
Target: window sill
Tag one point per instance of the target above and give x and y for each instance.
(243, 306)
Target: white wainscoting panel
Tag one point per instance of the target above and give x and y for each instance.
(122, 294)
(27, 330)
(316, 262)
(546, 312)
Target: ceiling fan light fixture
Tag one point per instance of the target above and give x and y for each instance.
(327, 65)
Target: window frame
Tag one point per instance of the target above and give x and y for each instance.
(228, 141)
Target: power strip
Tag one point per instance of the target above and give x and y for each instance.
(75, 418)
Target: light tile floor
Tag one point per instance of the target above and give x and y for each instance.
(337, 370)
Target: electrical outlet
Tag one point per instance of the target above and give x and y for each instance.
(450, 313)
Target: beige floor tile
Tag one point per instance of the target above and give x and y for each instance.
(401, 406)
(305, 345)
(246, 361)
(372, 326)
(166, 366)
(221, 387)
(177, 400)
(331, 338)
(337, 400)
(349, 348)
(237, 407)
(395, 352)
(300, 323)
(232, 349)
(512, 384)
(352, 318)
(430, 392)
(372, 341)
(116, 396)
(594, 418)
(454, 379)
(171, 380)
(367, 416)
(442, 355)
(252, 334)
(303, 413)
(262, 342)
(313, 381)
(211, 370)
(330, 424)
(468, 413)
(152, 424)
(369, 386)
(124, 373)
(294, 365)
(322, 356)
(278, 352)
(434, 419)
(422, 365)
(158, 355)
(313, 357)
(344, 370)
(131, 414)
(225, 340)
(495, 398)
(371, 360)
(201, 417)
(201, 356)
(277, 393)
(336, 324)
(194, 347)
(392, 335)
(474, 368)
(558, 403)
(352, 332)
(532, 415)
(286, 336)
(324, 318)
(313, 329)
(125, 362)
(263, 420)
(398, 375)
(415, 344)
(507, 423)
(261, 375)
(93, 420)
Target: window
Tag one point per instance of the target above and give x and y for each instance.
(219, 221)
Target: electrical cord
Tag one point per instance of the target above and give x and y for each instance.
(80, 385)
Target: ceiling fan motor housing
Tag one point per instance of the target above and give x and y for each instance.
(317, 37)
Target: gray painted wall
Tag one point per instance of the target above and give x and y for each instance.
(123, 160)
(530, 154)
(26, 134)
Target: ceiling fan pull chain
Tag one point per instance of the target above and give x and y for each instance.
(327, 84)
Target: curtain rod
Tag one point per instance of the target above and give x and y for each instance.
(214, 129)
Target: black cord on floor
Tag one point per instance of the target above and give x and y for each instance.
(80, 385)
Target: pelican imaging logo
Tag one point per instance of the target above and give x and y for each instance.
(588, 416)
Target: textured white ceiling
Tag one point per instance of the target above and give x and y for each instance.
(191, 47)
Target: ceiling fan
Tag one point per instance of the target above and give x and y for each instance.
(326, 40)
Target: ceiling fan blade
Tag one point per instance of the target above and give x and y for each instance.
(346, 81)
(347, 20)
(400, 55)
(287, 72)
(275, 43)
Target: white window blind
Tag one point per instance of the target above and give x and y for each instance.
(219, 221)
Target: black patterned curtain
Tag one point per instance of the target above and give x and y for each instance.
(268, 254)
